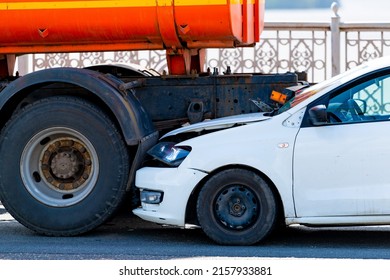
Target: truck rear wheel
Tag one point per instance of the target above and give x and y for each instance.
(236, 207)
(64, 166)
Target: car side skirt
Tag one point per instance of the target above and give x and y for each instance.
(341, 220)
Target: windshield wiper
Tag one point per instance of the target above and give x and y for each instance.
(264, 107)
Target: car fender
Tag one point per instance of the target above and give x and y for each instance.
(270, 156)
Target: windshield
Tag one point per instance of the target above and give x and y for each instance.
(308, 92)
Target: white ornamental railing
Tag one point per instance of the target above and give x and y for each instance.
(322, 49)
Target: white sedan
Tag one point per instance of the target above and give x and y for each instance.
(321, 159)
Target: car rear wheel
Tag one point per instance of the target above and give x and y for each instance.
(236, 207)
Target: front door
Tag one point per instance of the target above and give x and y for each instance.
(343, 168)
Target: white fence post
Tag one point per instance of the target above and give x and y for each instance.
(24, 64)
(335, 40)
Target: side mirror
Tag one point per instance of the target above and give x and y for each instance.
(318, 115)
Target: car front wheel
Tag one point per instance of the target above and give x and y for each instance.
(236, 207)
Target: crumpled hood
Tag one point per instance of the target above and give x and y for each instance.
(219, 123)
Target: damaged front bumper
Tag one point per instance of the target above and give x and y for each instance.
(165, 193)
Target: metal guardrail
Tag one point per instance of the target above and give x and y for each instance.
(322, 49)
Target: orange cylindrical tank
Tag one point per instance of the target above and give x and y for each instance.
(31, 26)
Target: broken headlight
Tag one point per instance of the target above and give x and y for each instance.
(169, 153)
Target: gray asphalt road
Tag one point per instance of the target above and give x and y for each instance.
(127, 237)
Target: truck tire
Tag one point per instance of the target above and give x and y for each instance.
(236, 207)
(64, 166)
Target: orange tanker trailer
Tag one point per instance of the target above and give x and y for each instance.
(182, 27)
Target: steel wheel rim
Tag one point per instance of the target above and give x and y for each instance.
(59, 167)
(236, 207)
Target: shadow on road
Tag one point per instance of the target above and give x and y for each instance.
(292, 242)
(128, 237)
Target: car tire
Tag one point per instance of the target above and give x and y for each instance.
(236, 207)
(64, 166)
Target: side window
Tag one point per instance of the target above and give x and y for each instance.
(368, 101)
